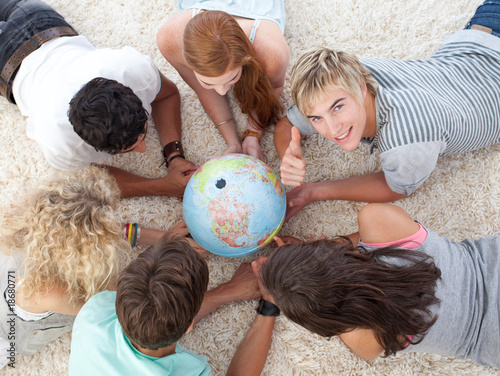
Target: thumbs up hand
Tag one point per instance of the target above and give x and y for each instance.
(293, 165)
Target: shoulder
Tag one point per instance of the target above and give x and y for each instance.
(170, 36)
(100, 305)
(363, 343)
(271, 48)
(383, 223)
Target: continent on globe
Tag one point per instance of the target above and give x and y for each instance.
(233, 205)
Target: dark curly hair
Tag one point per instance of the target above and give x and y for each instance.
(107, 115)
(331, 287)
(160, 292)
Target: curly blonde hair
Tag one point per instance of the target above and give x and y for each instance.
(69, 235)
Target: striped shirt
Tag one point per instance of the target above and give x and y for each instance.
(447, 104)
(453, 98)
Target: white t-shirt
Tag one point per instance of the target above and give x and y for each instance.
(49, 78)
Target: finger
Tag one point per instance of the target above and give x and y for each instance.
(288, 182)
(278, 241)
(290, 212)
(294, 148)
(289, 178)
(257, 263)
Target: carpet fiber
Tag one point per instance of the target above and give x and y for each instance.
(461, 198)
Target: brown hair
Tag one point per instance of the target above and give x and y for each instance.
(214, 43)
(160, 293)
(331, 287)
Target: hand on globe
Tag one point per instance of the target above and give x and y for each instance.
(251, 146)
(234, 148)
(243, 285)
(256, 265)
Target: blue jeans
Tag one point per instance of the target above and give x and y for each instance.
(487, 15)
(19, 21)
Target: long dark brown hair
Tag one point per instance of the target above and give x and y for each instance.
(214, 43)
(331, 287)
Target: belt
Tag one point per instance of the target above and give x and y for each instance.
(10, 68)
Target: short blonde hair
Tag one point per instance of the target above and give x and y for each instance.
(69, 235)
(321, 69)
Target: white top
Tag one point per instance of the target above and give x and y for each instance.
(49, 78)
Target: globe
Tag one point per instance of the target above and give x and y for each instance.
(233, 205)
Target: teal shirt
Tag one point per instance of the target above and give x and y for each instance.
(99, 347)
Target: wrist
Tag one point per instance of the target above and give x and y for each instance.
(251, 135)
(173, 158)
(266, 308)
(172, 150)
(222, 294)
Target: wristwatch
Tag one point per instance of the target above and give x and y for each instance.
(266, 308)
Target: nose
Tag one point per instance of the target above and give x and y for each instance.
(333, 125)
(141, 147)
(222, 89)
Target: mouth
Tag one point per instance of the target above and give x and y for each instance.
(343, 136)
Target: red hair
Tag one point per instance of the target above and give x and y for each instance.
(214, 43)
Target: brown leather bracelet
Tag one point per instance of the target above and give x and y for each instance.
(250, 133)
(172, 147)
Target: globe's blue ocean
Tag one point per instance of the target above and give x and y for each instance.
(233, 205)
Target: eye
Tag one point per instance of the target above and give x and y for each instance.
(315, 119)
(221, 183)
(338, 107)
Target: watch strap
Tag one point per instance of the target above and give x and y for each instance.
(266, 308)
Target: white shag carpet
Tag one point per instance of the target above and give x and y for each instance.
(461, 199)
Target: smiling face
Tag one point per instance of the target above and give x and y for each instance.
(220, 84)
(339, 117)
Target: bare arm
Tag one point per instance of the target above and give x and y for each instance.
(364, 188)
(250, 357)
(274, 54)
(172, 184)
(282, 136)
(243, 286)
(383, 223)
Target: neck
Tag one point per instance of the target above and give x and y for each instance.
(371, 116)
(160, 353)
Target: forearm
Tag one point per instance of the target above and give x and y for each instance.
(364, 188)
(150, 236)
(217, 108)
(166, 112)
(282, 136)
(133, 185)
(251, 355)
(213, 299)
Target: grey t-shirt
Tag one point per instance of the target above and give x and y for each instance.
(468, 316)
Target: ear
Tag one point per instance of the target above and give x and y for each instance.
(190, 328)
(364, 89)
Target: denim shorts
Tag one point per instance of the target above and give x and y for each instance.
(19, 21)
(487, 15)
